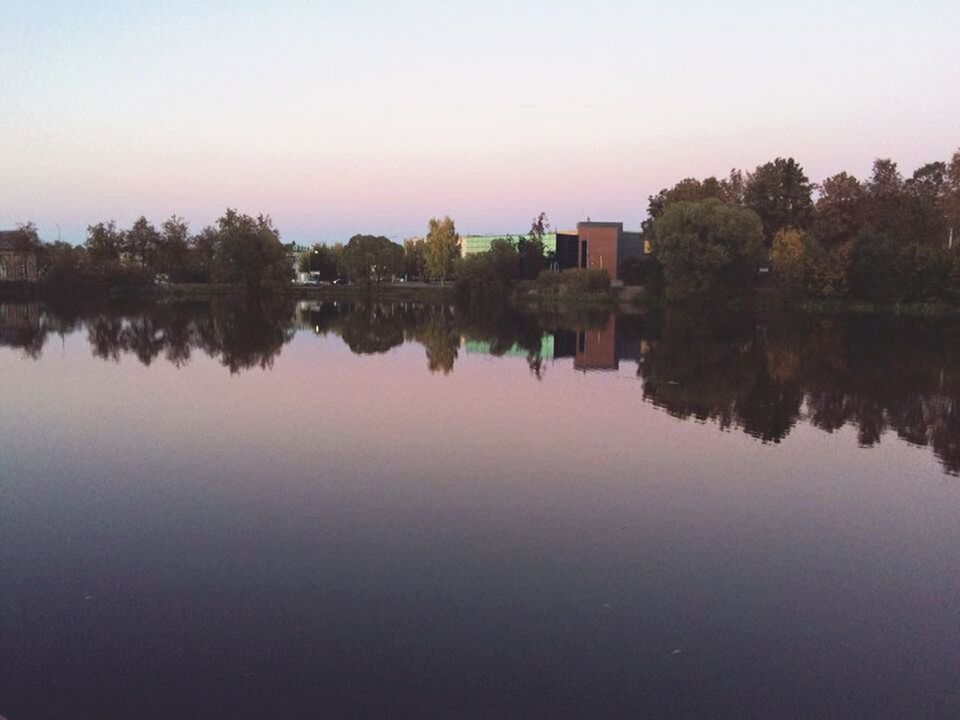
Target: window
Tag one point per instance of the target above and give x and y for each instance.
(583, 253)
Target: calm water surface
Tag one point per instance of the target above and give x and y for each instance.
(317, 511)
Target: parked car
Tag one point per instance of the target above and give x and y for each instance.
(341, 281)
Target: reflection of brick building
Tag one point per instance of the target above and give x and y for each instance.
(597, 348)
(599, 246)
(16, 263)
(17, 322)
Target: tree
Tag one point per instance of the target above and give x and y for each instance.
(707, 247)
(531, 250)
(790, 260)
(414, 258)
(171, 257)
(839, 213)
(140, 243)
(104, 242)
(369, 258)
(780, 193)
(489, 275)
(249, 252)
(952, 201)
(27, 238)
(887, 205)
(876, 269)
(729, 190)
(927, 195)
(442, 247)
(201, 251)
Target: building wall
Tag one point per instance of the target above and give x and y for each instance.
(470, 244)
(16, 266)
(602, 246)
(597, 348)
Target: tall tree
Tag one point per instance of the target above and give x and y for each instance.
(887, 206)
(927, 194)
(202, 249)
(371, 258)
(781, 194)
(839, 213)
(531, 250)
(952, 201)
(442, 248)
(414, 258)
(708, 247)
(141, 241)
(249, 252)
(104, 242)
(172, 248)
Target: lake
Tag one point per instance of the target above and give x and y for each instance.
(285, 509)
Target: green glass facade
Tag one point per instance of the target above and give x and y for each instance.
(470, 244)
(482, 347)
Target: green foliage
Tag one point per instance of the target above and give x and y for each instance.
(729, 190)
(140, 243)
(487, 275)
(249, 252)
(171, 253)
(442, 248)
(414, 258)
(371, 258)
(790, 260)
(531, 252)
(876, 269)
(780, 193)
(840, 211)
(202, 248)
(639, 270)
(104, 242)
(708, 247)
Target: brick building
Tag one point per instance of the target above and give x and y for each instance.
(598, 246)
(18, 263)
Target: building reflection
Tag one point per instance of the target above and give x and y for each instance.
(762, 376)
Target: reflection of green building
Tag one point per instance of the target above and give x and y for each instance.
(470, 244)
(482, 347)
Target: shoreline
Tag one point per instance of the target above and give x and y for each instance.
(624, 299)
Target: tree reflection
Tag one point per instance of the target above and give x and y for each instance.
(759, 375)
(876, 374)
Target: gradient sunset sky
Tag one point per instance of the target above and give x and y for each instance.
(346, 117)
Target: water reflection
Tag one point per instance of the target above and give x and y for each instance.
(762, 376)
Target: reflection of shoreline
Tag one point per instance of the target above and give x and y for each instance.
(878, 375)
(20, 325)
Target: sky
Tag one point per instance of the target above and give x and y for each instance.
(339, 118)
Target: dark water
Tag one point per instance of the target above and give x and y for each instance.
(277, 511)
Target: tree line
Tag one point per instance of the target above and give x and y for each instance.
(236, 249)
(371, 259)
(884, 238)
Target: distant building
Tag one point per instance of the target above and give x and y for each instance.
(599, 246)
(471, 244)
(16, 263)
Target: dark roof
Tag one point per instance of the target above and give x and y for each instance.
(9, 239)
